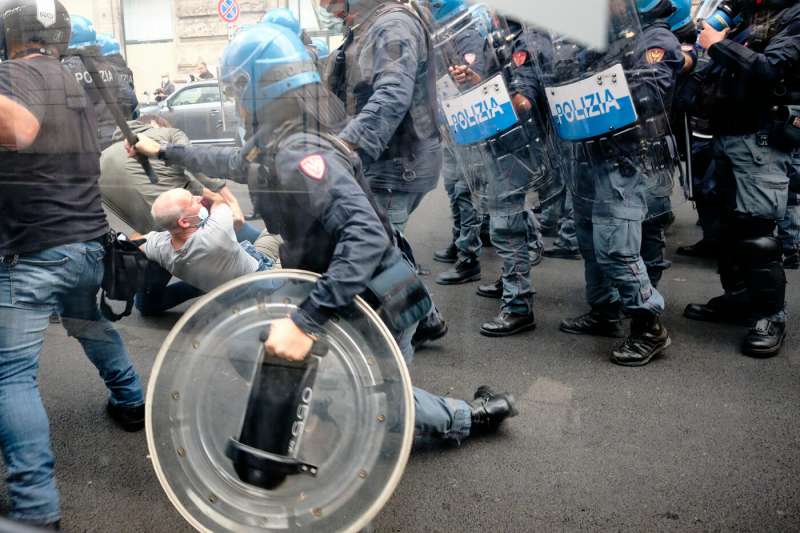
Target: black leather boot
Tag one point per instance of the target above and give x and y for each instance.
(724, 309)
(491, 290)
(792, 260)
(603, 321)
(701, 248)
(764, 339)
(431, 328)
(489, 409)
(506, 324)
(557, 252)
(464, 271)
(446, 255)
(128, 418)
(648, 338)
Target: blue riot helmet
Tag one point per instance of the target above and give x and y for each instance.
(681, 23)
(22, 23)
(682, 15)
(283, 17)
(109, 46)
(655, 9)
(323, 50)
(83, 32)
(261, 65)
(445, 10)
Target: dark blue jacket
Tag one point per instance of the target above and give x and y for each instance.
(328, 223)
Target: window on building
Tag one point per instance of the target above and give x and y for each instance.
(148, 20)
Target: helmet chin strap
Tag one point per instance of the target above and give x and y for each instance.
(31, 51)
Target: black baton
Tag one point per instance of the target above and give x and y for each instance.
(122, 124)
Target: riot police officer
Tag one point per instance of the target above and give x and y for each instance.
(52, 243)
(466, 41)
(620, 156)
(112, 52)
(659, 202)
(84, 42)
(385, 75)
(306, 185)
(752, 154)
(520, 159)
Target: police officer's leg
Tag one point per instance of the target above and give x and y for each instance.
(654, 237)
(605, 316)
(509, 229)
(566, 245)
(535, 237)
(754, 180)
(789, 232)
(437, 418)
(451, 175)
(102, 343)
(396, 206)
(617, 231)
(468, 243)
(706, 200)
(25, 308)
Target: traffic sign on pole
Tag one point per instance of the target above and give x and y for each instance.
(228, 10)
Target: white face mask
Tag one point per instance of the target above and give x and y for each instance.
(202, 214)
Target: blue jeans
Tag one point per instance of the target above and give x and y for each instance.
(64, 279)
(610, 206)
(466, 220)
(159, 294)
(436, 418)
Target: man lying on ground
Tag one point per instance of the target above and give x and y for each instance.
(199, 246)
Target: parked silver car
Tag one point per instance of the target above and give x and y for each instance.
(197, 109)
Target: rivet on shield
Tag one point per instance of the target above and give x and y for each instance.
(235, 311)
(362, 474)
(287, 301)
(176, 395)
(181, 452)
(599, 80)
(195, 345)
(381, 418)
(371, 361)
(316, 511)
(212, 499)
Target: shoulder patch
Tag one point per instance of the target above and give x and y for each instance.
(470, 58)
(520, 57)
(655, 55)
(314, 167)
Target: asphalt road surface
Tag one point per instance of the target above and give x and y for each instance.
(702, 439)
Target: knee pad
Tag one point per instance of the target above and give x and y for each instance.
(759, 251)
(763, 273)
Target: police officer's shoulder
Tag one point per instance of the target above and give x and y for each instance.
(661, 44)
(401, 24)
(311, 157)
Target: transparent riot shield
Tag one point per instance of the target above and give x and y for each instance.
(502, 155)
(608, 106)
(242, 441)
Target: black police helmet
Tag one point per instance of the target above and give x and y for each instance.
(40, 23)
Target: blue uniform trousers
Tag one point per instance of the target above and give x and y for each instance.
(610, 206)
